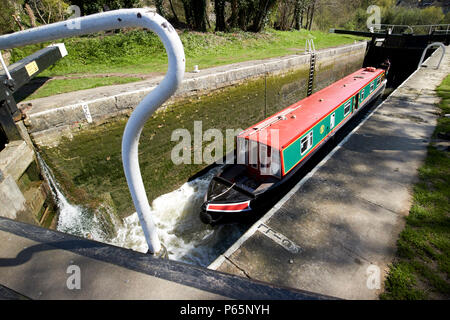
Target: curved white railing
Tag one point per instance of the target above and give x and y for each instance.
(115, 20)
(434, 44)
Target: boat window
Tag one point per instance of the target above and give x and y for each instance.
(246, 151)
(264, 159)
(347, 107)
(371, 87)
(306, 142)
(332, 120)
(362, 94)
(241, 150)
(275, 167)
(253, 154)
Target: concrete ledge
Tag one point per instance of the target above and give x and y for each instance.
(15, 159)
(34, 263)
(12, 200)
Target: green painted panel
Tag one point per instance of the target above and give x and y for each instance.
(367, 91)
(292, 154)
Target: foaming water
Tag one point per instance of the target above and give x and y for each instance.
(72, 219)
(179, 227)
(176, 215)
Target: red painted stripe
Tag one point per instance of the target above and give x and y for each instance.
(232, 207)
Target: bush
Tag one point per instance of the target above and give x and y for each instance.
(416, 16)
(96, 6)
(8, 9)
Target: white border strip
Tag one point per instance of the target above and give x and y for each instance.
(218, 262)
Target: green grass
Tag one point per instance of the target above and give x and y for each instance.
(140, 52)
(58, 86)
(422, 267)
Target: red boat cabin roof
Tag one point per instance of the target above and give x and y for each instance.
(298, 118)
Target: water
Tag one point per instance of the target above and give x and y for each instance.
(176, 214)
(179, 228)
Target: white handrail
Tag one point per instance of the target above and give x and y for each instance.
(8, 75)
(309, 46)
(434, 44)
(115, 20)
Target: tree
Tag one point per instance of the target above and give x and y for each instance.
(285, 12)
(49, 11)
(233, 21)
(96, 6)
(195, 14)
(248, 15)
(298, 14)
(311, 9)
(31, 15)
(9, 13)
(199, 14)
(160, 8)
(262, 9)
(176, 20)
(219, 9)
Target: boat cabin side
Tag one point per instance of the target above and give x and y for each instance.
(261, 153)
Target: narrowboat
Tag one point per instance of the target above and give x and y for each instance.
(270, 152)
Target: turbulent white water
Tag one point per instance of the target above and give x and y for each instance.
(72, 219)
(179, 227)
(176, 214)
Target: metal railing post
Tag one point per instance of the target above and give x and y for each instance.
(426, 49)
(116, 20)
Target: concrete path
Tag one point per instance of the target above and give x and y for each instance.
(335, 233)
(37, 263)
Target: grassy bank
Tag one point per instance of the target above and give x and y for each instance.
(422, 267)
(58, 86)
(140, 52)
